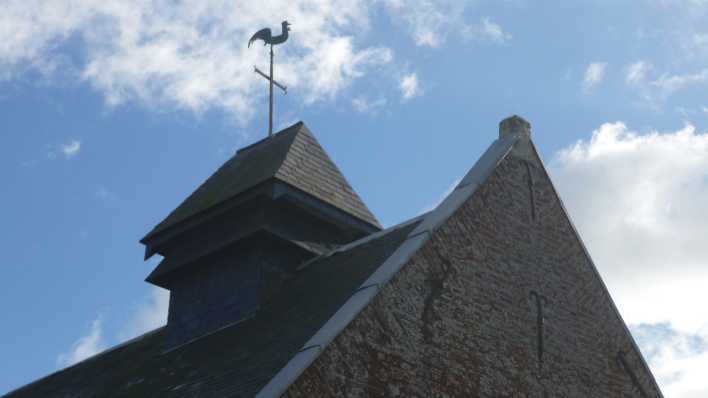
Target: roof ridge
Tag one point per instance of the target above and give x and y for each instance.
(278, 134)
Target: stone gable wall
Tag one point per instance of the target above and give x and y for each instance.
(460, 319)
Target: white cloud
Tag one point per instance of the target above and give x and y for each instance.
(429, 21)
(594, 74)
(679, 55)
(363, 105)
(486, 30)
(639, 202)
(182, 55)
(635, 73)
(189, 55)
(494, 32)
(149, 315)
(678, 360)
(86, 346)
(654, 92)
(668, 84)
(71, 149)
(409, 86)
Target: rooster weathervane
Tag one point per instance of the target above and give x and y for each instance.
(268, 38)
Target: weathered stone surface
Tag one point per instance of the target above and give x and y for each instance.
(514, 125)
(460, 320)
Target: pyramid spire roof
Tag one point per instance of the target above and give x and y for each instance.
(292, 156)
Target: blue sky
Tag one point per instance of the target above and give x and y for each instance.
(112, 113)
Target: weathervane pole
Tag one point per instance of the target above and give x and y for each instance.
(270, 110)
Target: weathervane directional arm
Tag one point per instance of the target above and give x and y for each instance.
(280, 86)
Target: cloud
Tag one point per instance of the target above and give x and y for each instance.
(486, 30)
(428, 21)
(678, 360)
(409, 86)
(635, 73)
(654, 92)
(494, 31)
(668, 84)
(185, 55)
(679, 54)
(363, 105)
(594, 74)
(149, 315)
(639, 202)
(71, 149)
(86, 346)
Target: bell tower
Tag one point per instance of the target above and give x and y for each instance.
(243, 233)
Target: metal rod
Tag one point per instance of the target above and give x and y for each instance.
(280, 86)
(270, 112)
(531, 186)
(540, 301)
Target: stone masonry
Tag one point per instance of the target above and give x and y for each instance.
(502, 301)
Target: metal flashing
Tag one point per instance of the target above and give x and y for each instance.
(292, 370)
(366, 239)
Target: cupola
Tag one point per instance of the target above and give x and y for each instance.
(242, 234)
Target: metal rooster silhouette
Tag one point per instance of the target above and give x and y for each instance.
(268, 38)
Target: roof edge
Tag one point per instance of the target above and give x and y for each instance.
(312, 349)
(89, 359)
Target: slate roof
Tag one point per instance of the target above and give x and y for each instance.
(238, 360)
(293, 156)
